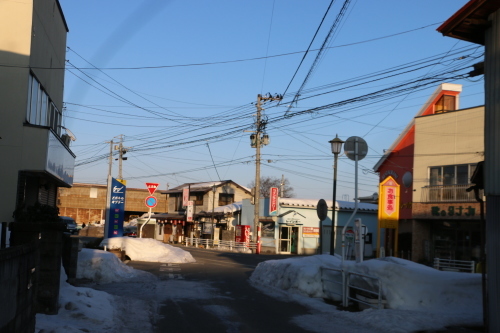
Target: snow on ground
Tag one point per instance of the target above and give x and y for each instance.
(148, 249)
(419, 298)
(84, 309)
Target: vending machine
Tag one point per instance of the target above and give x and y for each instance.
(242, 233)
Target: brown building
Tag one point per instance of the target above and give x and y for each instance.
(86, 203)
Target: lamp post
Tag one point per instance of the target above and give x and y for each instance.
(336, 148)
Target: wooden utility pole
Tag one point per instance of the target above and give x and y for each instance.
(258, 141)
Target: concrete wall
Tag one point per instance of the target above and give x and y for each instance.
(449, 138)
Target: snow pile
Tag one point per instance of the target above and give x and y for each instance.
(80, 310)
(411, 286)
(297, 275)
(105, 267)
(406, 285)
(147, 249)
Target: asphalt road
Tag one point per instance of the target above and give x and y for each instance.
(214, 295)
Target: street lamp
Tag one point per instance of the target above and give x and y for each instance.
(336, 148)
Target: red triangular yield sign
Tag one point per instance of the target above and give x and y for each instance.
(152, 187)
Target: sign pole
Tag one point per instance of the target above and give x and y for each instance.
(149, 218)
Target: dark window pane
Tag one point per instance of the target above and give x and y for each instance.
(462, 174)
(449, 175)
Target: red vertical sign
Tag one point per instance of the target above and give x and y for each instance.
(273, 201)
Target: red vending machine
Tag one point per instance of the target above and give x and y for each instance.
(242, 233)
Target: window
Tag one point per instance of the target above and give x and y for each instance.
(445, 103)
(40, 109)
(449, 182)
(225, 199)
(177, 199)
(451, 174)
(197, 198)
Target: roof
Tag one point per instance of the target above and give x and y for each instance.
(203, 187)
(442, 87)
(470, 22)
(340, 205)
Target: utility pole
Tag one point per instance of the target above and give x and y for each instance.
(121, 151)
(282, 186)
(108, 193)
(258, 139)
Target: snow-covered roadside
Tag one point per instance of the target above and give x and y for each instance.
(133, 297)
(418, 297)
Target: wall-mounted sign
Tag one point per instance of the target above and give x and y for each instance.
(457, 210)
(292, 220)
(388, 208)
(310, 232)
(273, 201)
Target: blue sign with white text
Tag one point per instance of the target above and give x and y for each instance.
(116, 209)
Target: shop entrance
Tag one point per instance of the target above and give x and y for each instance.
(288, 239)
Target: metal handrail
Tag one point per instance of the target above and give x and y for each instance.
(448, 193)
(220, 244)
(454, 265)
(377, 293)
(341, 283)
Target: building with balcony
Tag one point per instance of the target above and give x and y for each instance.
(432, 162)
(36, 158)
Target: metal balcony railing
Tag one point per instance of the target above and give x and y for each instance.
(448, 193)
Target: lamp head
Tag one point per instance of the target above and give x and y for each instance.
(336, 145)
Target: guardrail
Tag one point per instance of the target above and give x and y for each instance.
(335, 281)
(465, 266)
(350, 286)
(367, 297)
(221, 244)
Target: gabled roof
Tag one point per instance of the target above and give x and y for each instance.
(470, 22)
(450, 87)
(203, 187)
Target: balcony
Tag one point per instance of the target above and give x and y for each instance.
(448, 193)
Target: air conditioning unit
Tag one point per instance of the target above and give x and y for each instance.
(66, 139)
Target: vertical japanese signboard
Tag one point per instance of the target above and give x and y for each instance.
(189, 212)
(388, 209)
(185, 197)
(116, 209)
(273, 201)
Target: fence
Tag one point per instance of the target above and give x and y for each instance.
(367, 297)
(335, 282)
(350, 286)
(18, 278)
(454, 265)
(221, 244)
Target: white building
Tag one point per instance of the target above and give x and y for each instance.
(295, 229)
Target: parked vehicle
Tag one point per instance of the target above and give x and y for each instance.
(71, 226)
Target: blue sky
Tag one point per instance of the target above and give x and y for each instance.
(178, 78)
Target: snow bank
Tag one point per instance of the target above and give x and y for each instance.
(147, 249)
(105, 267)
(406, 285)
